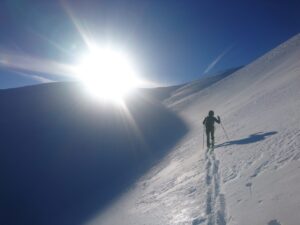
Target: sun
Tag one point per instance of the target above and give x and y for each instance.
(107, 73)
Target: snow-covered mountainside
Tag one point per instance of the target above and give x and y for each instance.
(179, 92)
(184, 91)
(251, 179)
(65, 156)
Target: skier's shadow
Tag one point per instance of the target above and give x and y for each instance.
(260, 136)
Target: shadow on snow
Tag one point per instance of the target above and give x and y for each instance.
(64, 157)
(260, 136)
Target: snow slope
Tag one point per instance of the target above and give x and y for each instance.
(195, 86)
(65, 156)
(251, 179)
(179, 92)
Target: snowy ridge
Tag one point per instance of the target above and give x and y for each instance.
(251, 179)
(267, 67)
(180, 94)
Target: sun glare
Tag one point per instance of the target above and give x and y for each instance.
(107, 73)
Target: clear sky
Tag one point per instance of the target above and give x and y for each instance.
(171, 41)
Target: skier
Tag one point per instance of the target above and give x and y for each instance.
(209, 122)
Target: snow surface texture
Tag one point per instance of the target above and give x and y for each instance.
(251, 179)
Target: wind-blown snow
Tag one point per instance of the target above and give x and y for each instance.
(251, 179)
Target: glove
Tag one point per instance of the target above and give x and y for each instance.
(219, 118)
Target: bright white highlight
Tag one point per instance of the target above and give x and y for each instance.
(107, 73)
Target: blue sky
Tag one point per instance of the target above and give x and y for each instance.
(171, 41)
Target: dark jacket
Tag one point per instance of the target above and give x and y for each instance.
(209, 122)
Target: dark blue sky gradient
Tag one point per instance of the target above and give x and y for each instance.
(171, 41)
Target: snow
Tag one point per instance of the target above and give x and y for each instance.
(251, 179)
(64, 156)
(195, 86)
(67, 160)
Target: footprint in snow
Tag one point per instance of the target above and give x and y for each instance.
(249, 185)
(274, 222)
(198, 221)
(191, 190)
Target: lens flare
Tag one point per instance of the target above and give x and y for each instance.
(107, 73)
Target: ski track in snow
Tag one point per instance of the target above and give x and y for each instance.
(215, 200)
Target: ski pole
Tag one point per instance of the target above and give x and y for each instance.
(224, 131)
(203, 137)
